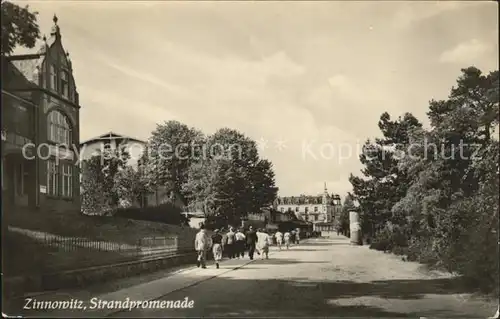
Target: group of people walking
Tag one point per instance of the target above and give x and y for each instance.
(286, 239)
(234, 244)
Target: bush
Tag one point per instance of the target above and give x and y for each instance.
(382, 241)
(165, 213)
(390, 238)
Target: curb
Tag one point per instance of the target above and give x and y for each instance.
(73, 275)
(180, 272)
(225, 271)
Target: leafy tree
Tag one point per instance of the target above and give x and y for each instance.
(94, 194)
(99, 193)
(264, 187)
(19, 27)
(114, 160)
(231, 180)
(130, 186)
(172, 148)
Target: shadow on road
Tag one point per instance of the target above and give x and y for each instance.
(299, 297)
(325, 244)
(304, 249)
(281, 261)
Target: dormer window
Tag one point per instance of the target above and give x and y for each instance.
(53, 78)
(65, 84)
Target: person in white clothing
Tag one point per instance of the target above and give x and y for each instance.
(287, 238)
(201, 244)
(279, 239)
(263, 243)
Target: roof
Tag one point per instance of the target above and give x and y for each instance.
(29, 65)
(111, 136)
(13, 77)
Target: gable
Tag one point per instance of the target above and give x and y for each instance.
(57, 55)
(61, 55)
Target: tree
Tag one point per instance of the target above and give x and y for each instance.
(238, 157)
(264, 187)
(19, 27)
(94, 194)
(130, 186)
(231, 180)
(172, 148)
(114, 160)
(384, 183)
(99, 193)
(447, 186)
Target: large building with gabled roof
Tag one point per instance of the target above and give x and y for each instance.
(40, 128)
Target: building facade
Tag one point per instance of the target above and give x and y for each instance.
(96, 146)
(40, 129)
(320, 210)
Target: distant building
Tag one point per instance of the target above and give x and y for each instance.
(40, 128)
(97, 145)
(321, 210)
(135, 148)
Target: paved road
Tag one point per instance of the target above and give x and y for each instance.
(325, 278)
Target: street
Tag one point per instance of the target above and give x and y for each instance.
(323, 277)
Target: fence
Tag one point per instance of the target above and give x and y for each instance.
(47, 252)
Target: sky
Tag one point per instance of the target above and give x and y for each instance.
(307, 80)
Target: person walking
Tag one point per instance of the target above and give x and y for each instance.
(217, 247)
(279, 239)
(263, 243)
(251, 237)
(239, 243)
(230, 243)
(297, 236)
(287, 239)
(201, 245)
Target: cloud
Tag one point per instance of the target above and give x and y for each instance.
(413, 12)
(465, 52)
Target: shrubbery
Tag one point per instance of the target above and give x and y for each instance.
(165, 213)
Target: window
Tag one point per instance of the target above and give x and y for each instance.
(315, 209)
(59, 128)
(53, 77)
(65, 84)
(52, 177)
(67, 180)
(282, 209)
